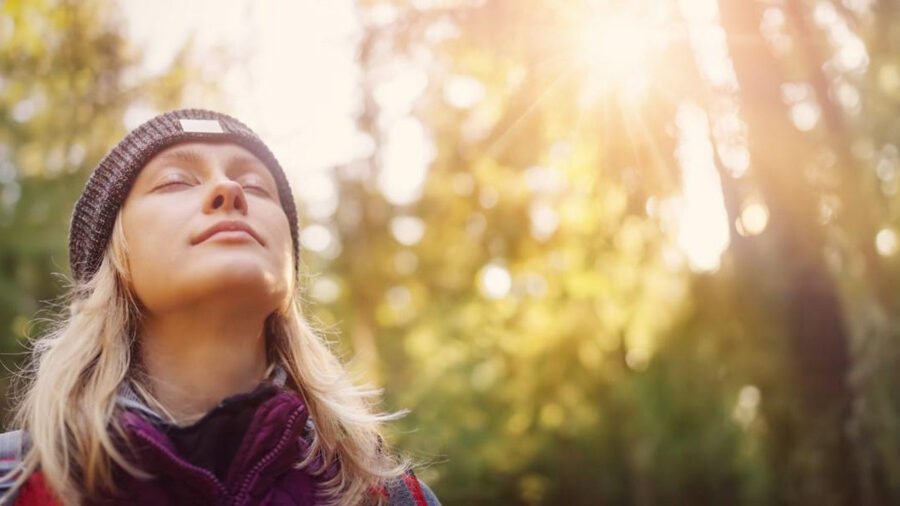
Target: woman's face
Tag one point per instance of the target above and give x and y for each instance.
(178, 257)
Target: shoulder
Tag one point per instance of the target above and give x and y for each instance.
(11, 449)
(11, 444)
(408, 490)
(404, 490)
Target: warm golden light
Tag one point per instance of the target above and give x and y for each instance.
(615, 48)
(753, 219)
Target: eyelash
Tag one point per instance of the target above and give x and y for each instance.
(246, 186)
(170, 183)
(255, 187)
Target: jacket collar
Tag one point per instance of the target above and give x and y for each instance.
(128, 399)
(274, 442)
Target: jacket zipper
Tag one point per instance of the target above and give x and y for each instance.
(210, 477)
(282, 443)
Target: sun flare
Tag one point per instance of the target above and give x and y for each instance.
(615, 47)
(619, 52)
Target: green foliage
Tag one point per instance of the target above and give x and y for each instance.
(546, 331)
(609, 372)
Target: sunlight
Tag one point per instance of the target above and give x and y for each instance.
(316, 237)
(703, 223)
(407, 230)
(615, 46)
(494, 280)
(294, 79)
(614, 50)
(886, 242)
(325, 289)
(618, 51)
(405, 157)
(753, 219)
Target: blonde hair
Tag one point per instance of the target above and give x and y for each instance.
(69, 403)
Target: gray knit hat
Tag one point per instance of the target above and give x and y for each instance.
(105, 192)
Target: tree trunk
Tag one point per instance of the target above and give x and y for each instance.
(822, 466)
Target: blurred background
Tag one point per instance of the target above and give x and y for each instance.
(607, 252)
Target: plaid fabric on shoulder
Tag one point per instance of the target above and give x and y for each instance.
(408, 490)
(10, 456)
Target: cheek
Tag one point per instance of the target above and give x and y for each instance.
(285, 241)
(280, 245)
(151, 246)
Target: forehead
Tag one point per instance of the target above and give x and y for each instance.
(205, 152)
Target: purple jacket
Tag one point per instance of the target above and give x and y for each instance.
(260, 473)
(268, 431)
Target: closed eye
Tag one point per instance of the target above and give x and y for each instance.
(173, 183)
(257, 188)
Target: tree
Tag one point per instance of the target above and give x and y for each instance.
(557, 364)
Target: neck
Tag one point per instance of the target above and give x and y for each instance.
(196, 357)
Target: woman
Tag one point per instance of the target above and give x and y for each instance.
(185, 372)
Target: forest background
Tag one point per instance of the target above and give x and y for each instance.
(606, 252)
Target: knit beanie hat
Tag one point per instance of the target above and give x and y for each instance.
(110, 182)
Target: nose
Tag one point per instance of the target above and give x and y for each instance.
(226, 195)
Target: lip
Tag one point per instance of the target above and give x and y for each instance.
(228, 226)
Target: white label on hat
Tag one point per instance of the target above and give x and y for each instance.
(209, 126)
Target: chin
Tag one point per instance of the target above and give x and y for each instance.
(238, 274)
(247, 272)
(240, 280)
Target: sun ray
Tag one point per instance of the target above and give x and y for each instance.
(497, 144)
(658, 159)
(632, 142)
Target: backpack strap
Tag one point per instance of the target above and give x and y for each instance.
(11, 445)
(11, 448)
(409, 490)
